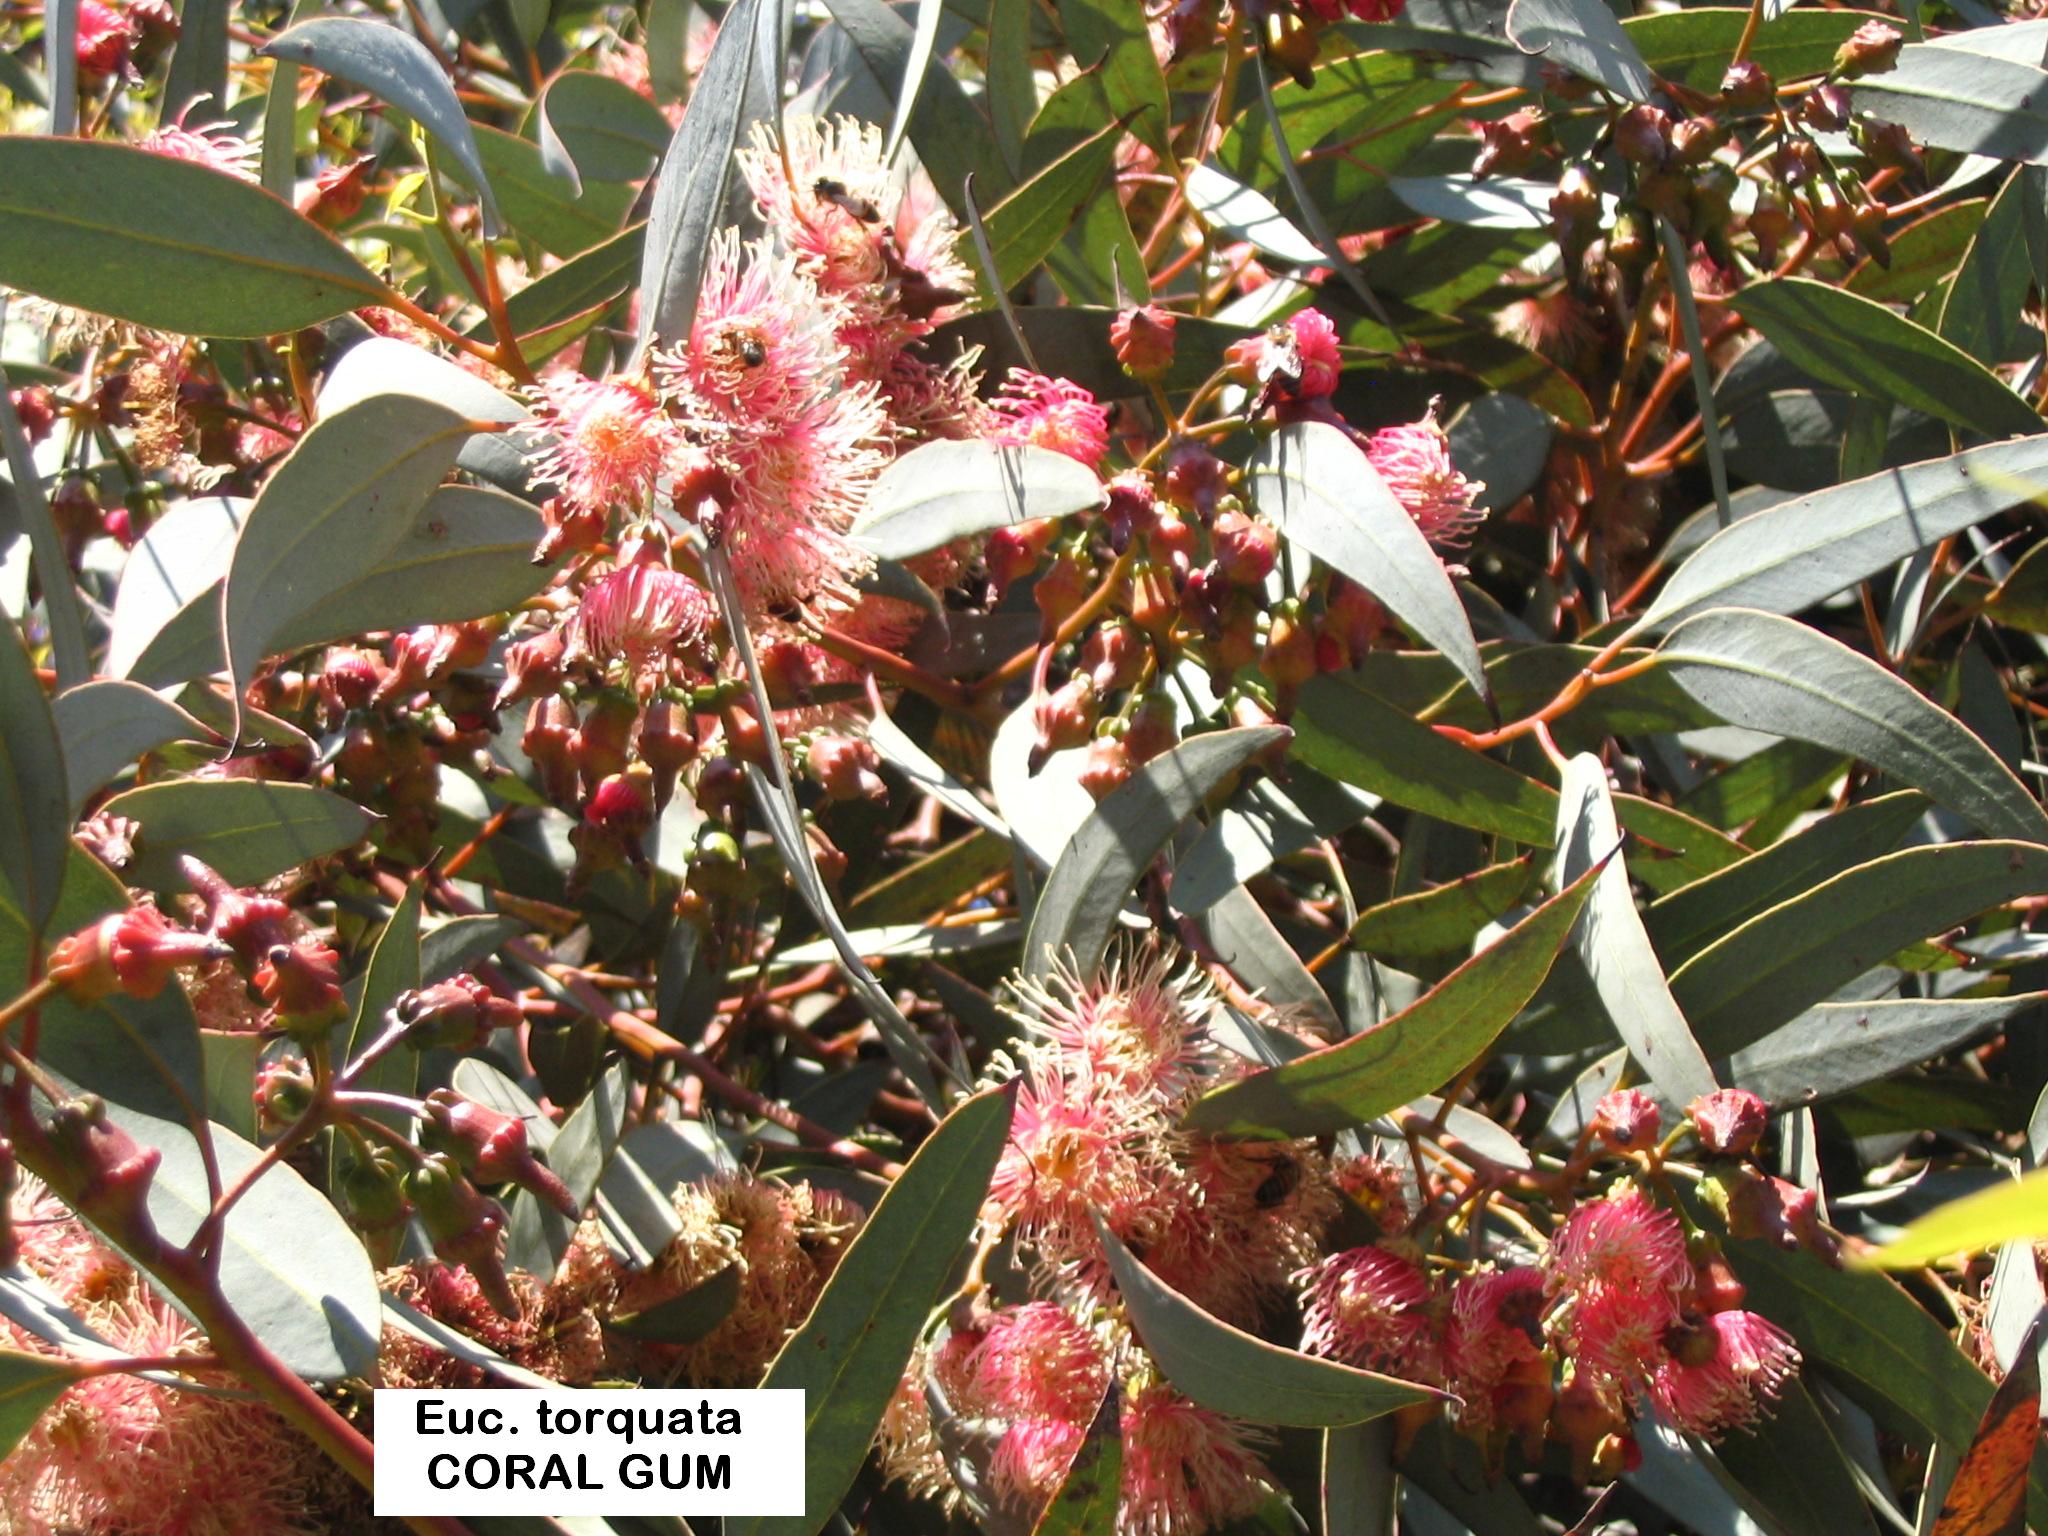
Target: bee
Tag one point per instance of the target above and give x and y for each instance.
(740, 345)
(834, 192)
(1282, 1182)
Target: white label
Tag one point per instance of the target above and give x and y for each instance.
(563, 1451)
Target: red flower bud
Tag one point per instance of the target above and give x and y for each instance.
(32, 408)
(1107, 768)
(846, 767)
(104, 1173)
(1013, 553)
(132, 952)
(1143, 338)
(1871, 49)
(532, 667)
(1195, 477)
(600, 747)
(1114, 655)
(302, 983)
(349, 678)
(1064, 719)
(621, 803)
(466, 1228)
(549, 741)
(459, 1014)
(1627, 1121)
(1766, 1207)
(1061, 590)
(283, 1094)
(1154, 727)
(1246, 549)
(493, 1147)
(249, 924)
(1729, 1120)
(1747, 86)
(1643, 135)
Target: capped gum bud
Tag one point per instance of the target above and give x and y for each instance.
(249, 924)
(1064, 718)
(302, 982)
(1627, 1121)
(349, 677)
(666, 742)
(1747, 85)
(1826, 107)
(459, 1013)
(622, 803)
(1695, 140)
(105, 1172)
(1114, 655)
(1108, 766)
(600, 745)
(1871, 49)
(1154, 727)
(1289, 659)
(1014, 552)
(1508, 145)
(283, 1093)
(1643, 135)
(1143, 338)
(132, 952)
(1061, 590)
(466, 1227)
(846, 767)
(532, 667)
(1195, 477)
(371, 1189)
(1246, 549)
(1729, 1120)
(493, 1147)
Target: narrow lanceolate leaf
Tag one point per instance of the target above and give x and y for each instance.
(168, 244)
(1803, 550)
(2006, 1212)
(1740, 988)
(1988, 1495)
(1892, 1356)
(247, 829)
(1836, 1048)
(105, 725)
(347, 492)
(1797, 1469)
(1584, 37)
(848, 1357)
(1112, 38)
(592, 125)
(1230, 208)
(1233, 1372)
(1324, 494)
(1860, 345)
(1775, 674)
(1677, 267)
(1418, 1049)
(1101, 863)
(29, 1383)
(396, 67)
(1025, 226)
(61, 608)
(1613, 944)
(944, 491)
(1955, 98)
(35, 818)
(394, 969)
(1087, 1499)
(696, 173)
(924, 37)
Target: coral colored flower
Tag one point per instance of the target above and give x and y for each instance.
(1051, 413)
(1415, 463)
(101, 39)
(1624, 1244)
(1369, 1307)
(762, 344)
(1494, 1325)
(1379, 1186)
(1037, 1360)
(641, 615)
(609, 440)
(1558, 326)
(1186, 1469)
(214, 145)
(1722, 1374)
(827, 192)
(1031, 1459)
(1315, 339)
(1136, 1024)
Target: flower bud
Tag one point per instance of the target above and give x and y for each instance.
(1014, 552)
(1769, 223)
(1143, 338)
(458, 1014)
(302, 983)
(549, 744)
(1627, 1121)
(1729, 1120)
(1171, 539)
(283, 1093)
(349, 678)
(1152, 603)
(371, 1190)
(846, 768)
(601, 744)
(133, 952)
(1246, 549)
(666, 744)
(1765, 1207)
(1826, 107)
(492, 1147)
(532, 667)
(1695, 140)
(104, 1173)
(249, 924)
(1114, 655)
(1061, 590)
(572, 528)
(1107, 768)
(1643, 135)
(1508, 145)
(1632, 242)
(32, 408)
(1575, 205)
(1064, 719)
(1154, 727)
(622, 803)
(1289, 659)
(466, 1227)
(1747, 86)
(1871, 49)
(1195, 477)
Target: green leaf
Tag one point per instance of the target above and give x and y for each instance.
(1898, 1362)
(165, 243)
(1229, 208)
(291, 1268)
(592, 125)
(1614, 945)
(1836, 1048)
(578, 285)
(685, 1318)
(1112, 38)
(396, 67)
(1105, 859)
(1924, 254)
(1797, 1470)
(199, 61)
(848, 1357)
(916, 65)
(1958, 98)
(1852, 342)
(2006, 1212)
(1234, 1372)
(1087, 1499)
(943, 491)
(394, 969)
(542, 206)
(35, 814)
(142, 1053)
(29, 1384)
(1694, 47)
(30, 508)
(1317, 485)
(1418, 1049)
(537, 1236)
(347, 493)
(248, 829)
(734, 91)
(1446, 918)
(1802, 951)
(1584, 37)
(1981, 312)
(106, 725)
(1025, 226)
(1777, 675)
(1678, 271)
(173, 573)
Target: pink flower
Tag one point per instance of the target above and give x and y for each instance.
(101, 40)
(1136, 1024)
(1627, 1120)
(1720, 1375)
(1186, 1469)
(827, 192)
(610, 439)
(1377, 1185)
(1415, 462)
(1051, 413)
(213, 145)
(1031, 1459)
(762, 345)
(1037, 1361)
(1614, 1339)
(642, 615)
(1315, 339)
(1369, 1307)
(1625, 1244)
(1495, 1327)
(1729, 1120)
